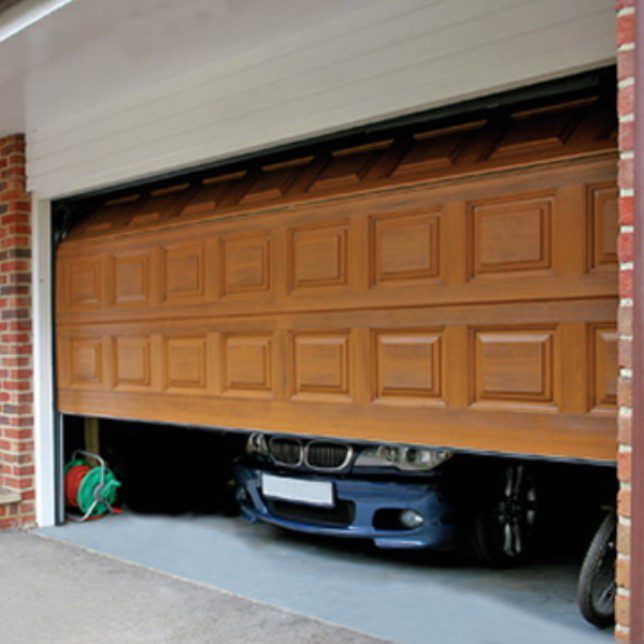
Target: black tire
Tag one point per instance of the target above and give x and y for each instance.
(597, 588)
(505, 518)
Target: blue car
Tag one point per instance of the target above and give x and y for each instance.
(398, 496)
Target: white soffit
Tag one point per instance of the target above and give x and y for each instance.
(116, 107)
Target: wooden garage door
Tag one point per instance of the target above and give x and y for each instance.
(452, 287)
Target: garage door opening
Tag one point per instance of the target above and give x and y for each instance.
(437, 296)
(178, 516)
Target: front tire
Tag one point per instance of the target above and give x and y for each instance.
(505, 518)
(597, 587)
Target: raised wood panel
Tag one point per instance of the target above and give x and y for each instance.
(348, 166)
(514, 366)
(214, 193)
(247, 364)
(408, 366)
(274, 180)
(111, 215)
(184, 273)
(604, 367)
(132, 361)
(185, 363)
(86, 362)
(317, 257)
(436, 149)
(246, 265)
(511, 235)
(320, 365)
(405, 247)
(603, 226)
(537, 130)
(131, 280)
(84, 284)
(159, 204)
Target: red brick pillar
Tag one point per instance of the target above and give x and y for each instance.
(16, 414)
(626, 88)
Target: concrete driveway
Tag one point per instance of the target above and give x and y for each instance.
(54, 592)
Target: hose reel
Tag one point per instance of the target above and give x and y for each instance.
(89, 489)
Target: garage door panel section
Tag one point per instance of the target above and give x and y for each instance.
(354, 364)
(407, 256)
(575, 435)
(477, 313)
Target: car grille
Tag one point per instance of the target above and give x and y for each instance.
(325, 455)
(318, 455)
(340, 516)
(285, 451)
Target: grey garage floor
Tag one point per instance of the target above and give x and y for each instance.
(406, 598)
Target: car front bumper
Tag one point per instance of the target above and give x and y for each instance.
(365, 498)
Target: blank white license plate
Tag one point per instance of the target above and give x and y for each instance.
(298, 490)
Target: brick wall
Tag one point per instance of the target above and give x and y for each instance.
(16, 420)
(626, 87)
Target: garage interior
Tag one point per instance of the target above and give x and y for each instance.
(448, 280)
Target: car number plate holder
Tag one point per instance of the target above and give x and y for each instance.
(286, 488)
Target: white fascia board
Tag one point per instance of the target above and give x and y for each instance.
(43, 364)
(26, 13)
(396, 59)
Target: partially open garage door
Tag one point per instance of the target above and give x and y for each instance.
(453, 286)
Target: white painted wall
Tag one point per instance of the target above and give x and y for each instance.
(371, 61)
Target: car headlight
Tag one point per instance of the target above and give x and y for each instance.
(256, 444)
(415, 459)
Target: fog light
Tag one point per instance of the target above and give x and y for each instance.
(411, 519)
